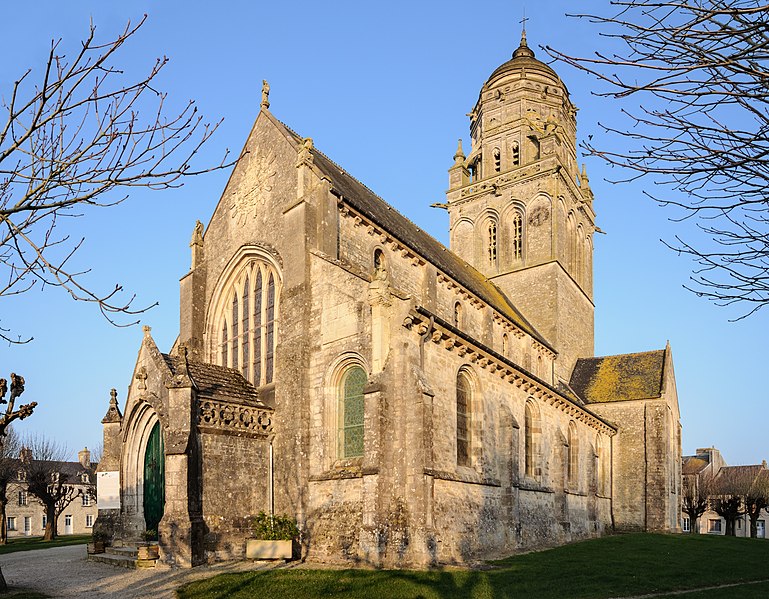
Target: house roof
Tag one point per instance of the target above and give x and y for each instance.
(370, 205)
(215, 381)
(619, 378)
(693, 464)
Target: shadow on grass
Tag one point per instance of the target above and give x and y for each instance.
(618, 566)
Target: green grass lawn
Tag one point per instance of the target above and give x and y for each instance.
(617, 566)
(29, 543)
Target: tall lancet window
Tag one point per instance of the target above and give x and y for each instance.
(246, 332)
(464, 398)
(497, 160)
(492, 242)
(517, 236)
(235, 319)
(516, 151)
(247, 320)
(224, 341)
(270, 330)
(258, 331)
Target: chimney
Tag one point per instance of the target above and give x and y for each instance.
(84, 457)
(25, 455)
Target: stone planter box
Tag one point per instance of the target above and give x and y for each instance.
(259, 549)
(96, 547)
(148, 552)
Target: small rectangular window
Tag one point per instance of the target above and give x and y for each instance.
(686, 524)
(89, 520)
(86, 500)
(714, 525)
(22, 498)
(11, 523)
(45, 520)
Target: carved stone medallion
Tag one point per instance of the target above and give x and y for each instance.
(259, 182)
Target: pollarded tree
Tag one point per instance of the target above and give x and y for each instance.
(756, 499)
(79, 134)
(695, 74)
(694, 498)
(49, 480)
(9, 467)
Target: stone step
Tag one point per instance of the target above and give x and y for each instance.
(127, 551)
(124, 557)
(113, 560)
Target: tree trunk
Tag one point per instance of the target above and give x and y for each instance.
(753, 526)
(3, 585)
(50, 523)
(3, 527)
(729, 528)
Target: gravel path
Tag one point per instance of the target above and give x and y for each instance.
(65, 572)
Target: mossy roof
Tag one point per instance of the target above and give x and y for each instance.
(370, 205)
(214, 381)
(619, 378)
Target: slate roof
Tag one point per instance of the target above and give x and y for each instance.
(216, 381)
(619, 378)
(370, 205)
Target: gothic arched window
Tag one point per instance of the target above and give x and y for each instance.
(505, 344)
(532, 432)
(247, 326)
(516, 243)
(491, 242)
(234, 339)
(458, 315)
(573, 457)
(351, 412)
(464, 401)
(244, 343)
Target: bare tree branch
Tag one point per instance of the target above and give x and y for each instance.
(699, 73)
(81, 136)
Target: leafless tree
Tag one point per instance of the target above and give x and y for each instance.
(693, 78)
(696, 489)
(79, 134)
(49, 480)
(9, 467)
(11, 414)
(756, 498)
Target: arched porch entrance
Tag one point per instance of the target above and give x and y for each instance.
(154, 479)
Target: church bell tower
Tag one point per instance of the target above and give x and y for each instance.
(520, 210)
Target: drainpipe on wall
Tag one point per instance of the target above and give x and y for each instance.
(271, 497)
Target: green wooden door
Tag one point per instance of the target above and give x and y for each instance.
(154, 482)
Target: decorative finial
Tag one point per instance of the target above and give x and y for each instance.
(265, 94)
(113, 397)
(523, 49)
(147, 330)
(523, 28)
(197, 234)
(459, 156)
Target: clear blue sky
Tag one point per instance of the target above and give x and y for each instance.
(383, 88)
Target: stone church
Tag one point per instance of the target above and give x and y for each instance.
(410, 404)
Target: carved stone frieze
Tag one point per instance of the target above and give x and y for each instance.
(234, 418)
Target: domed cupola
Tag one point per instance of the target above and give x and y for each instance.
(522, 65)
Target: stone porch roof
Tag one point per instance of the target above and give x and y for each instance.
(370, 205)
(619, 378)
(216, 382)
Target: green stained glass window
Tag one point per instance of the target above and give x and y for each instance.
(351, 413)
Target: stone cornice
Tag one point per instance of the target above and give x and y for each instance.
(452, 339)
(415, 260)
